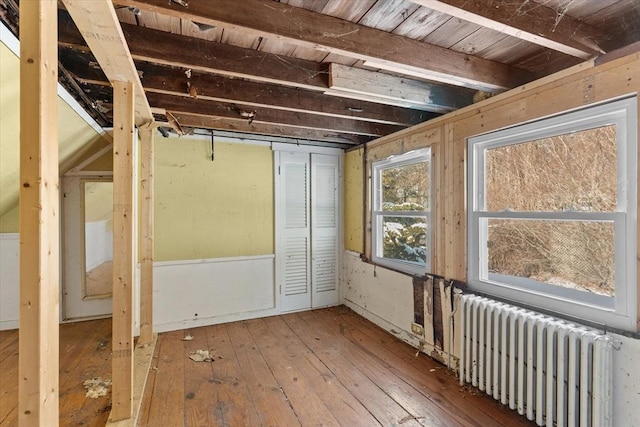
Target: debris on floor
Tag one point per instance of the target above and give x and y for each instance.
(201, 356)
(188, 337)
(96, 387)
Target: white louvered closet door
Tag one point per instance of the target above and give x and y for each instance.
(295, 232)
(308, 230)
(324, 230)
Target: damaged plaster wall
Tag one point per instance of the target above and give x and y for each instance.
(380, 295)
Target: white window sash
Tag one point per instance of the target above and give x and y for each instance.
(619, 310)
(377, 214)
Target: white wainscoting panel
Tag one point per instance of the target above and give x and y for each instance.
(382, 296)
(209, 291)
(9, 280)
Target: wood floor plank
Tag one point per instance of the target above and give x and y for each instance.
(81, 357)
(9, 389)
(8, 343)
(326, 367)
(167, 398)
(233, 406)
(342, 404)
(199, 384)
(84, 346)
(264, 390)
(291, 373)
(98, 365)
(331, 350)
(424, 373)
(11, 418)
(423, 407)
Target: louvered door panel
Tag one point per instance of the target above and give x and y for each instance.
(295, 266)
(324, 259)
(324, 230)
(294, 257)
(296, 199)
(324, 198)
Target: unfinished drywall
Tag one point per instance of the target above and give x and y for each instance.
(447, 135)
(212, 209)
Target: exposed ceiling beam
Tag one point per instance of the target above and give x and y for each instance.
(314, 30)
(178, 81)
(534, 23)
(99, 25)
(207, 122)
(243, 113)
(211, 57)
(268, 115)
(161, 47)
(429, 96)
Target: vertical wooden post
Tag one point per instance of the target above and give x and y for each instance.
(39, 210)
(123, 261)
(146, 229)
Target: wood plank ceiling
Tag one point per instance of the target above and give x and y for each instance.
(338, 71)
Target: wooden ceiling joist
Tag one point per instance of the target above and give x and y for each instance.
(180, 82)
(166, 48)
(244, 113)
(188, 120)
(100, 28)
(269, 116)
(314, 30)
(534, 23)
(211, 57)
(424, 95)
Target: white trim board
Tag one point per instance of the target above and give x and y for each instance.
(13, 44)
(211, 260)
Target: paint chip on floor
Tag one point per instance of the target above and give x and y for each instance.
(188, 338)
(96, 387)
(201, 356)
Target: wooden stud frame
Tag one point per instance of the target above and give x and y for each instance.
(39, 215)
(123, 249)
(146, 233)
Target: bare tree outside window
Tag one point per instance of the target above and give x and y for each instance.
(572, 172)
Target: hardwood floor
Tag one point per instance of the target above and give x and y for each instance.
(84, 354)
(325, 367)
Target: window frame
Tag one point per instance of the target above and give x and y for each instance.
(619, 311)
(377, 214)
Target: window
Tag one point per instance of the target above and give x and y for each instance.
(552, 214)
(401, 211)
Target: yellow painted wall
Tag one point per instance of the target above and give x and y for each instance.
(74, 136)
(9, 222)
(353, 201)
(208, 209)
